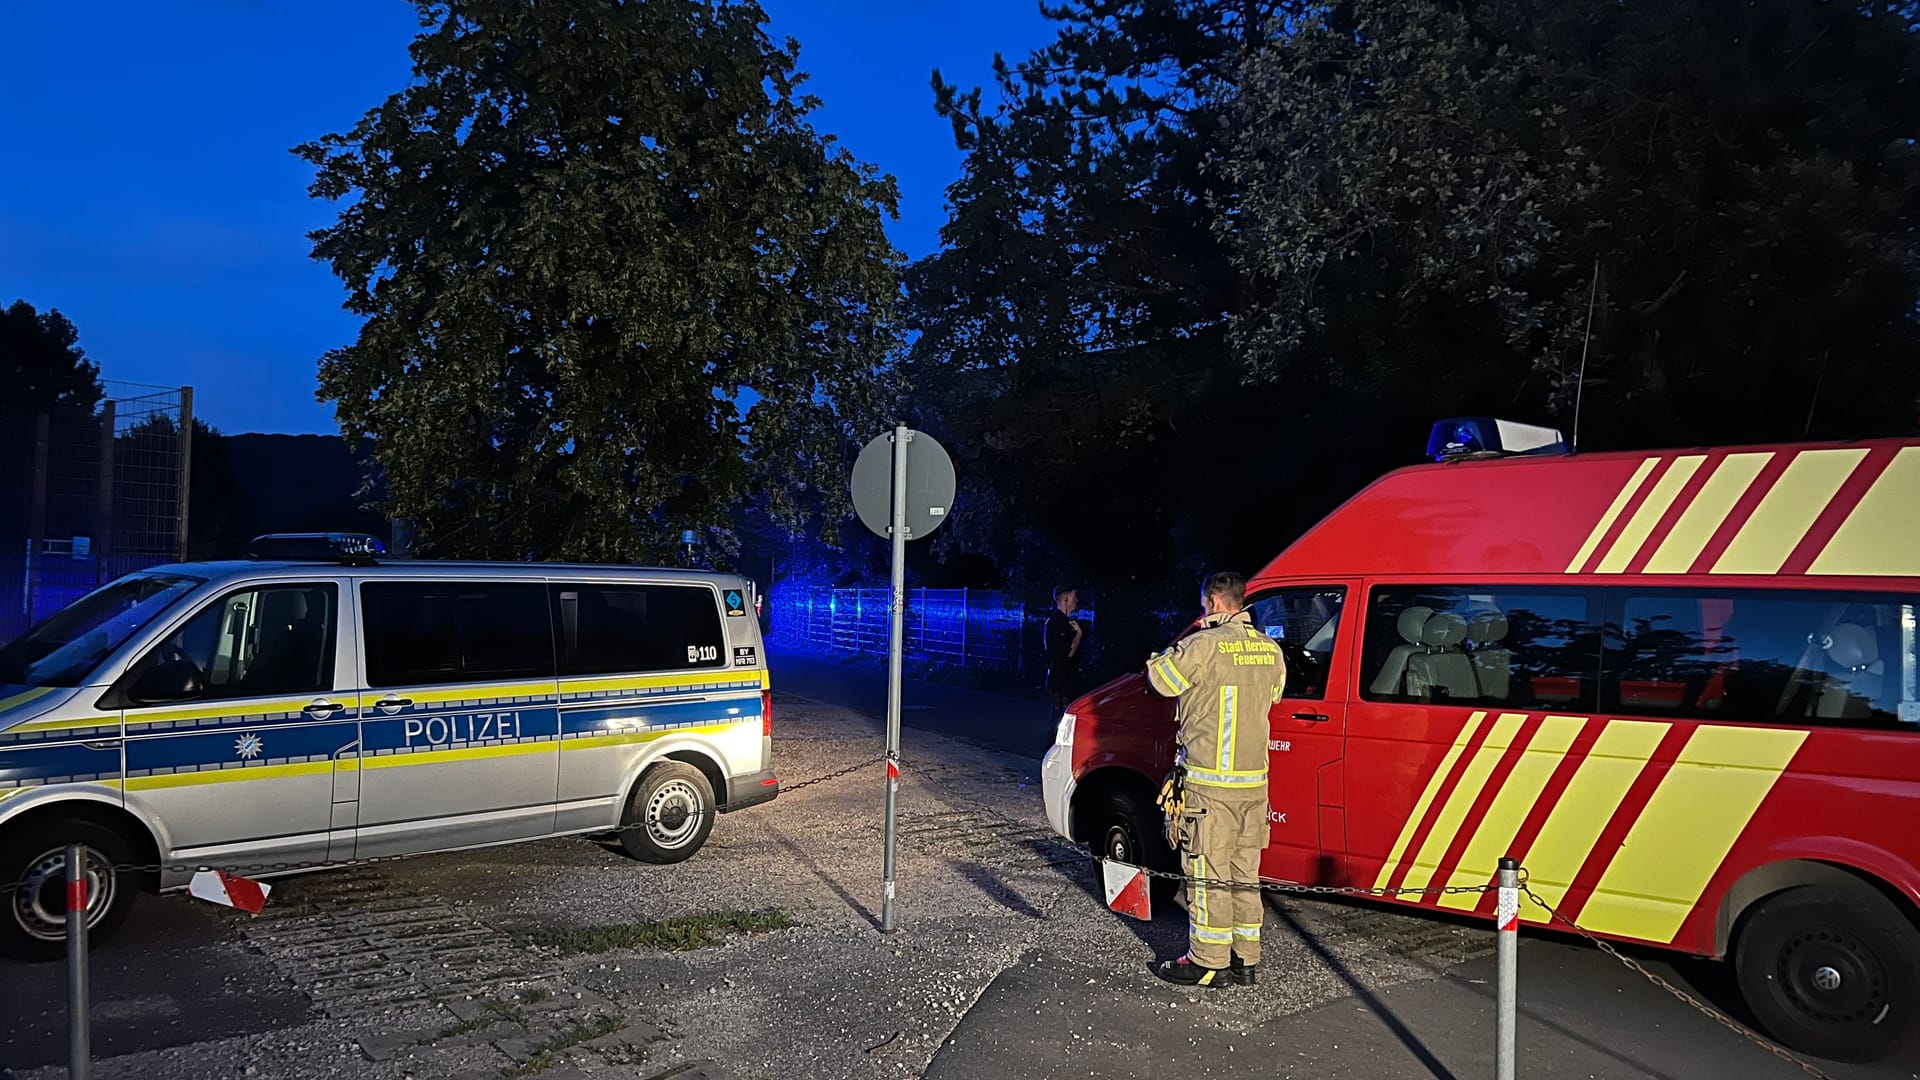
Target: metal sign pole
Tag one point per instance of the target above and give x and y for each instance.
(894, 644)
(79, 1050)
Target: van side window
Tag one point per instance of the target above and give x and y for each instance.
(1763, 656)
(258, 642)
(424, 633)
(1305, 623)
(1471, 645)
(609, 629)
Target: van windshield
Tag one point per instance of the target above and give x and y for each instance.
(65, 649)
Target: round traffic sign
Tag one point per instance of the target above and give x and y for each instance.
(930, 485)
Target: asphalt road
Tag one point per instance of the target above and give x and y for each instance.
(1582, 1012)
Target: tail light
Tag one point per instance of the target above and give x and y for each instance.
(766, 713)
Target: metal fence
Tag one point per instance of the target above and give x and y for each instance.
(975, 629)
(104, 492)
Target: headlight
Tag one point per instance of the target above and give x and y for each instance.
(1063, 735)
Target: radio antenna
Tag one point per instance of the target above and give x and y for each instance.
(1580, 387)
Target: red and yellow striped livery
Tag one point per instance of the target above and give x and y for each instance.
(1682, 688)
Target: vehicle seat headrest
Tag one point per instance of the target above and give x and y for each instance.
(1488, 627)
(1853, 647)
(1413, 624)
(1444, 629)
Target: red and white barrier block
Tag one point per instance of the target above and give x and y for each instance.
(1127, 891)
(220, 887)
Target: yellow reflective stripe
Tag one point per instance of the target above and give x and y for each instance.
(1199, 889)
(1618, 757)
(1242, 778)
(478, 692)
(1210, 935)
(1673, 849)
(589, 742)
(269, 707)
(1246, 930)
(23, 698)
(1705, 514)
(1511, 805)
(434, 757)
(1420, 806)
(1168, 676)
(1789, 509)
(1652, 509)
(221, 776)
(1877, 536)
(1465, 794)
(1606, 522)
(1228, 722)
(724, 679)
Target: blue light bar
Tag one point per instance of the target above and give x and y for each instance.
(351, 548)
(1485, 436)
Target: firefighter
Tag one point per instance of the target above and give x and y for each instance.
(1224, 677)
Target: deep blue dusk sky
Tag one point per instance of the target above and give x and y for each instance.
(148, 194)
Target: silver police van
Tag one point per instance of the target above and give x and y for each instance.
(317, 704)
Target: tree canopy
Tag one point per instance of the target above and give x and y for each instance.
(42, 365)
(1211, 266)
(613, 281)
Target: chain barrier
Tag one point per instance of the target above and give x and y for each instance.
(1684, 998)
(278, 868)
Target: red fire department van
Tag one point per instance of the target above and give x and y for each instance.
(1678, 686)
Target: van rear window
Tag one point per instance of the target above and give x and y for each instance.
(1763, 656)
(608, 629)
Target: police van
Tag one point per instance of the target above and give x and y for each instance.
(317, 704)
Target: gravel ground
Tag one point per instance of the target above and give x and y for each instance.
(422, 969)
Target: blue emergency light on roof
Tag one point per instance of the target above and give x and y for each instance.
(1484, 436)
(353, 548)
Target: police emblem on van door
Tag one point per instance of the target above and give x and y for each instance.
(249, 746)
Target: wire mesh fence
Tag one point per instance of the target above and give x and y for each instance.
(976, 629)
(103, 483)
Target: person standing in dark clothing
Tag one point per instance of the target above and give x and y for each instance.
(1064, 635)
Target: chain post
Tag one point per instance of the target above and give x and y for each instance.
(79, 1019)
(1506, 924)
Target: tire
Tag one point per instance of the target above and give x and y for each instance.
(669, 815)
(1127, 828)
(1830, 970)
(33, 924)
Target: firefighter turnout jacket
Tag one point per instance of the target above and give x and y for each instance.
(1224, 677)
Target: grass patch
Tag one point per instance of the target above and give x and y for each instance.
(495, 1013)
(682, 934)
(547, 1053)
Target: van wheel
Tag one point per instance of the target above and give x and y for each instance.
(1830, 970)
(670, 814)
(1127, 828)
(34, 859)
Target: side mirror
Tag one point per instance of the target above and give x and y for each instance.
(169, 680)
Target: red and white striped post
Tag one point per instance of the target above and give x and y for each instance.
(1506, 925)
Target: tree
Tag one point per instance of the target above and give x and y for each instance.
(42, 366)
(1073, 330)
(1433, 194)
(613, 280)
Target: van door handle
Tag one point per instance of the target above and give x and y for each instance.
(102, 744)
(1312, 717)
(323, 709)
(393, 703)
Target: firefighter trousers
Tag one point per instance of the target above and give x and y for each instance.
(1223, 832)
